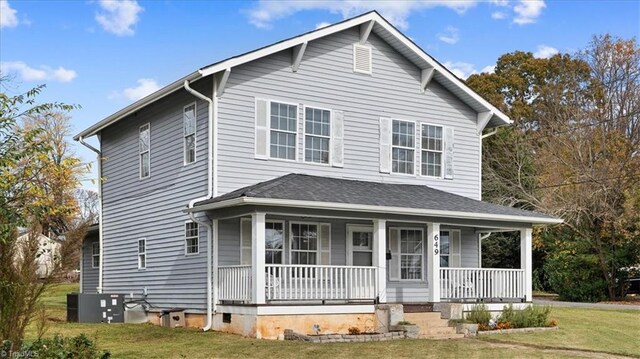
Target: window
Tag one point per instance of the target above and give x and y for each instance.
(274, 242)
(431, 150)
(144, 147)
(444, 249)
(95, 255)
(361, 246)
(403, 147)
(317, 129)
(189, 126)
(191, 238)
(411, 254)
(142, 254)
(284, 126)
(304, 243)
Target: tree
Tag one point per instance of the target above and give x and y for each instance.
(573, 152)
(88, 205)
(37, 178)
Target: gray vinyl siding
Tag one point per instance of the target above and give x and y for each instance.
(469, 250)
(89, 274)
(151, 208)
(326, 79)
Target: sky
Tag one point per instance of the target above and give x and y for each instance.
(104, 55)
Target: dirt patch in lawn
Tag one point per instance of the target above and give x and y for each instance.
(560, 351)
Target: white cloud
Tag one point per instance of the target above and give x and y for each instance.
(265, 12)
(8, 16)
(465, 69)
(488, 69)
(119, 17)
(320, 25)
(545, 52)
(145, 87)
(28, 73)
(500, 2)
(498, 15)
(450, 35)
(527, 11)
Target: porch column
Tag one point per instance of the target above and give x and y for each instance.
(257, 257)
(380, 257)
(433, 261)
(525, 262)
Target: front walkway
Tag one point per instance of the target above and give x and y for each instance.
(556, 303)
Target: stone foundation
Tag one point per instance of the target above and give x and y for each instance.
(343, 338)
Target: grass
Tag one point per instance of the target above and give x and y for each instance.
(610, 331)
(606, 331)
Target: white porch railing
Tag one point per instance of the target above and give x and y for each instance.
(318, 282)
(481, 283)
(234, 283)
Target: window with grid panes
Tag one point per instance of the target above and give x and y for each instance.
(431, 164)
(284, 127)
(317, 130)
(403, 147)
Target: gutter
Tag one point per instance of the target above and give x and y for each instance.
(100, 235)
(212, 190)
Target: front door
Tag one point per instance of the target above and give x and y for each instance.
(359, 246)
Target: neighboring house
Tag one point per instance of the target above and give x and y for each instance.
(48, 249)
(90, 260)
(303, 183)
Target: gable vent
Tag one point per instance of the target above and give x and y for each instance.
(361, 59)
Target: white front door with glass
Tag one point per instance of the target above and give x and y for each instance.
(360, 245)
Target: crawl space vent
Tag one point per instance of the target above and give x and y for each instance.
(361, 59)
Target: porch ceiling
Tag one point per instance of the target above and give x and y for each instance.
(314, 192)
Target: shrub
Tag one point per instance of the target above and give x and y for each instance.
(79, 347)
(503, 325)
(479, 314)
(404, 322)
(508, 313)
(483, 327)
(354, 331)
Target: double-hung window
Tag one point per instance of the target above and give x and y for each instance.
(317, 129)
(95, 255)
(304, 243)
(411, 254)
(191, 236)
(431, 163)
(142, 254)
(284, 127)
(189, 132)
(403, 147)
(274, 242)
(445, 249)
(144, 150)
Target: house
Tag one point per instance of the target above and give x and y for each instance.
(47, 250)
(307, 182)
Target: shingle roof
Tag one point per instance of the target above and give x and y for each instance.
(300, 187)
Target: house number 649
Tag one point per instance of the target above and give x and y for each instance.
(435, 244)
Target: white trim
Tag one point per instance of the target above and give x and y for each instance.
(93, 255)
(368, 48)
(425, 78)
(296, 56)
(140, 266)
(365, 31)
(222, 81)
(414, 148)
(304, 134)
(441, 151)
(245, 219)
(148, 124)
(297, 309)
(483, 119)
(318, 250)
(496, 307)
(360, 228)
(336, 206)
(184, 228)
(297, 130)
(195, 135)
(423, 255)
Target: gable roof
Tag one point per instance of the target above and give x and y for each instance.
(299, 190)
(489, 115)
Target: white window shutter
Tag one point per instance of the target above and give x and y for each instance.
(385, 145)
(394, 248)
(324, 243)
(455, 247)
(448, 153)
(337, 139)
(262, 129)
(245, 240)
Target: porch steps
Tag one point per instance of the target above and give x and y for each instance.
(432, 326)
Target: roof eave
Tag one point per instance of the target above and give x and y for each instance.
(371, 209)
(165, 91)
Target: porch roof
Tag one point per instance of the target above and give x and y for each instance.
(300, 190)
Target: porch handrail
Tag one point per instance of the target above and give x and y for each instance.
(482, 283)
(234, 283)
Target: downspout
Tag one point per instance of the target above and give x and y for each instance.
(493, 132)
(99, 157)
(211, 190)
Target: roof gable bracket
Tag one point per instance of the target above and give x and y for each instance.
(296, 56)
(221, 81)
(426, 75)
(365, 31)
(483, 120)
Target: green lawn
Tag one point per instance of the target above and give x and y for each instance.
(604, 331)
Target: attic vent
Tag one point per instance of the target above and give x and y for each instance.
(361, 59)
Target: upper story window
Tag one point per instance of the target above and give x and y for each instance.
(95, 255)
(189, 126)
(144, 150)
(403, 147)
(284, 125)
(317, 129)
(431, 163)
(191, 238)
(142, 253)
